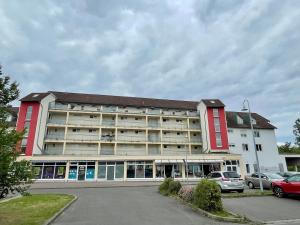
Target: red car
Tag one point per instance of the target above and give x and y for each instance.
(290, 185)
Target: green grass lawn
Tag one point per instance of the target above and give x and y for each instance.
(247, 194)
(32, 210)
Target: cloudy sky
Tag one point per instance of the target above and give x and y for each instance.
(189, 50)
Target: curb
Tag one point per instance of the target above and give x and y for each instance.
(38, 188)
(210, 215)
(12, 198)
(53, 218)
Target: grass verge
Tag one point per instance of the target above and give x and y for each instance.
(247, 194)
(32, 210)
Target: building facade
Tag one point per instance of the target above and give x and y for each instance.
(72, 136)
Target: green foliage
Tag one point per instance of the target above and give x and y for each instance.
(296, 132)
(174, 187)
(207, 196)
(164, 186)
(288, 149)
(15, 175)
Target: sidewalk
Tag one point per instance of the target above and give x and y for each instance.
(95, 184)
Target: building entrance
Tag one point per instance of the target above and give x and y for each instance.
(168, 170)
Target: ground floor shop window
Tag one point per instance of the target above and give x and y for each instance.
(232, 165)
(82, 170)
(110, 170)
(195, 170)
(49, 170)
(169, 170)
(139, 169)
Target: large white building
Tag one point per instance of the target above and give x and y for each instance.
(73, 136)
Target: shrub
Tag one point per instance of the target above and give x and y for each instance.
(207, 196)
(164, 186)
(174, 187)
(186, 193)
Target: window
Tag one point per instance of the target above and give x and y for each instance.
(136, 131)
(178, 133)
(218, 139)
(178, 146)
(92, 131)
(217, 124)
(230, 131)
(165, 146)
(247, 168)
(245, 147)
(164, 120)
(27, 127)
(76, 130)
(136, 118)
(216, 112)
(256, 133)
(194, 122)
(239, 120)
(28, 113)
(122, 131)
(258, 147)
(243, 133)
(194, 135)
(231, 145)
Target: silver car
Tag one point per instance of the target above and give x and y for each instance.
(267, 179)
(227, 181)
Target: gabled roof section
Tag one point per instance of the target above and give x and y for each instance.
(261, 122)
(34, 97)
(214, 103)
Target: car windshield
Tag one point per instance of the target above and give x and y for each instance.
(231, 175)
(273, 176)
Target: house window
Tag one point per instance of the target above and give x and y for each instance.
(164, 120)
(218, 139)
(194, 122)
(217, 124)
(194, 135)
(178, 133)
(28, 113)
(136, 118)
(247, 168)
(216, 112)
(243, 133)
(245, 147)
(258, 147)
(231, 145)
(92, 131)
(75, 130)
(165, 146)
(256, 133)
(178, 146)
(122, 131)
(136, 131)
(26, 127)
(230, 131)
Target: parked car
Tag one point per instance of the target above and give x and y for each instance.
(267, 179)
(3, 192)
(227, 181)
(290, 185)
(287, 174)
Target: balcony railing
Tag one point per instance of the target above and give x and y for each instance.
(58, 106)
(122, 123)
(131, 138)
(174, 140)
(174, 126)
(57, 136)
(80, 121)
(108, 123)
(53, 151)
(56, 121)
(83, 137)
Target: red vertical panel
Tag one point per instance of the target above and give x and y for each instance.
(33, 123)
(223, 128)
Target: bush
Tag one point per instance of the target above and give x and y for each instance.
(207, 196)
(174, 187)
(186, 193)
(164, 186)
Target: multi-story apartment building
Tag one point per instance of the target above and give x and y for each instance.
(72, 136)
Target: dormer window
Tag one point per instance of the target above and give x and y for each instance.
(239, 120)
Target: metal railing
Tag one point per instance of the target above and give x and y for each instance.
(54, 136)
(174, 140)
(122, 123)
(80, 121)
(58, 106)
(83, 137)
(56, 121)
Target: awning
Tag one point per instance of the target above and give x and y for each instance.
(168, 161)
(205, 160)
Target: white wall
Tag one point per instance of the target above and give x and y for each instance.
(269, 157)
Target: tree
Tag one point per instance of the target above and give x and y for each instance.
(296, 132)
(14, 175)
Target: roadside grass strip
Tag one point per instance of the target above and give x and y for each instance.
(34, 209)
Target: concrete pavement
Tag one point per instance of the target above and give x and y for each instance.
(125, 206)
(267, 209)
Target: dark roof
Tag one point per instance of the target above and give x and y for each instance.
(34, 97)
(113, 100)
(261, 122)
(213, 103)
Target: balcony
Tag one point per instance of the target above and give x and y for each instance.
(81, 151)
(55, 136)
(58, 106)
(83, 137)
(174, 140)
(153, 139)
(174, 126)
(108, 123)
(108, 138)
(131, 138)
(56, 121)
(53, 151)
(122, 123)
(84, 122)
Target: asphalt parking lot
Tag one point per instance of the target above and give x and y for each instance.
(125, 206)
(268, 209)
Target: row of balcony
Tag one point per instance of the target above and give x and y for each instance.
(93, 122)
(111, 138)
(115, 109)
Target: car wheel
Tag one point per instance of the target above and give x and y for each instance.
(4, 193)
(241, 191)
(278, 192)
(251, 185)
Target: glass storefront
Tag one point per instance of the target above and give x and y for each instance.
(140, 169)
(82, 170)
(49, 170)
(173, 170)
(111, 170)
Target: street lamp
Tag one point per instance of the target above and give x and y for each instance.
(247, 108)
